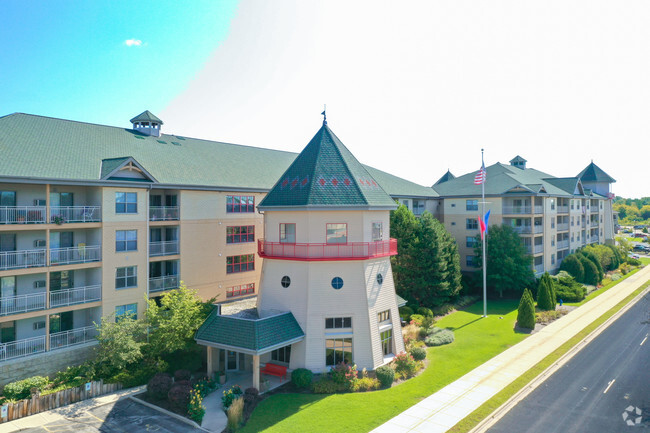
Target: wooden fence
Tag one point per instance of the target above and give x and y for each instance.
(42, 403)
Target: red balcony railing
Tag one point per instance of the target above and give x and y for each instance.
(349, 251)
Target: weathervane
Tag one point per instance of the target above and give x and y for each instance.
(324, 114)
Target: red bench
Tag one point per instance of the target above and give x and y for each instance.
(275, 370)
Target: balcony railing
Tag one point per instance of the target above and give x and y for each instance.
(539, 269)
(563, 245)
(522, 229)
(593, 239)
(164, 213)
(80, 295)
(158, 284)
(563, 209)
(59, 340)
(538, 209)
(594, 223)
(563, 227)
(22, 214)
(75, 214)
(349, 251)
(73, 255)
(20, 348)
(165, 248)
(538, 229)
(22, 303)
(538, 249)
(516, 210)
(22, 259)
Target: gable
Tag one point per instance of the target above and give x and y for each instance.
(125, 168)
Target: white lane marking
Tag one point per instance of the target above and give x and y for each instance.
(609, 386)
(646, 337)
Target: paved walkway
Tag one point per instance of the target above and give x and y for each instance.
(441, 411)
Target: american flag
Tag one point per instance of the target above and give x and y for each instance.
(480, 176)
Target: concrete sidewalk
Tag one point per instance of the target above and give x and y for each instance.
(441, 411)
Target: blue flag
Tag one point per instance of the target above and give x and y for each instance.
(486, 219)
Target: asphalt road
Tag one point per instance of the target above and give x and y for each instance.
(604, 388)
(123, 416)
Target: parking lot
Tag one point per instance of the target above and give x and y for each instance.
(123, 416)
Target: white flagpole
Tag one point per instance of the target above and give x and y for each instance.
(483, 237)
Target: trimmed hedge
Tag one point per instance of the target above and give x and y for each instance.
(418, 353)
(386, 375)
(302, 377)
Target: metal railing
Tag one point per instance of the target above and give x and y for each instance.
(538, 249)
(59, 340)
(75, 214)
(518, 210)
(563, 209)
(20, 348)
(593, 239)
(22, 214)
(79, 295)
(562, 227)
(164, 248)
(562, 245)
(22, 303)
(22, 259)
(539, 269)
(73, 255)
(594, 223)
(538, 209)
(352, 250)
(158, 284)
(522, 229)
(538, 229)
(164, 213)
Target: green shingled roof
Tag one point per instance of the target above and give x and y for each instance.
(146, 116)
(251, 336)
(445, 177)
(593, 173)
(57, 149)
(326, 173)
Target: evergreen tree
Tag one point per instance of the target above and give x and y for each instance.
(544, 296)
(573, 266)
(594, 259)
(403, 227)
(617, 259)
(526, 311)
(590, 271)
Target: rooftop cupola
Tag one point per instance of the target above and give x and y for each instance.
(147, 124)
(518, 162)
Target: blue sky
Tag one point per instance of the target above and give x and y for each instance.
(104, 62)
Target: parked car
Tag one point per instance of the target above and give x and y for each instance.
(634, 256)
(639, 247)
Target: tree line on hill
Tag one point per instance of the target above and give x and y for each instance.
(632, 211)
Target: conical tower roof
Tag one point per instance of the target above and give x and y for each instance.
(325, 175)
(445, 177)
(146, 116)
(593, 173)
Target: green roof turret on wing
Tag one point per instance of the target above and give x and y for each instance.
(326, 175)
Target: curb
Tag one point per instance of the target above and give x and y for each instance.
(495, 416)
(166, 412)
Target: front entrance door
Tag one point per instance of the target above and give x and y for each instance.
(232, 360)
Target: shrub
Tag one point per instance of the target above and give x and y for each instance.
(21, 389)
(365, 384)
(195, 408)
(589, 253)
(230, 395)
(189, 359)
(573, 266)
(302, 377)
(182, 375)
(428, 322)
(544, 295)
(443, 309)
(206, 386)
(616, 277)
(74, 376)
(439, 337)
(568, 289)
(545, 317)
(633, 262)
(250, 395)
(418, 353)
(386, 375)
(159, 385)
(417, 319)
(179, 396)
(405, 366)
(344, 374)
(591, 272)
(426, 312)
(405, 313)
(235, 414)
(526, 311)
(327, 386)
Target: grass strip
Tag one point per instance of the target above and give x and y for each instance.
(472, 420)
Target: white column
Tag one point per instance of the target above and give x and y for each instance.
(256, 371)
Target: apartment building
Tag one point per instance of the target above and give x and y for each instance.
(95, 219)
(554, 216)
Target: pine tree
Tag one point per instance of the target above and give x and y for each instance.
(553, 290)
(594, 259)
(590, 271)
(573, 266)
(526, 311)
(544, 297)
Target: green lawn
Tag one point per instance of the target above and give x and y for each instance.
(477, 340)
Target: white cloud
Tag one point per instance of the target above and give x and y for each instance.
(132, 42)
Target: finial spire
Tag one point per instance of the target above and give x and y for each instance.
(324, 114)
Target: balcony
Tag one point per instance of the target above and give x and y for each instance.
(522, 229)
(79, 295)
(516, 210)
(74, 255)
(538, 209)
(164, 213)
(563, 209)
(22, 303)
(75, 214)
(59, 340)
(563, 245)
(22, 259)
(538, 249)
(593, 240)
(594, 223)
(563, 227)
(22, 215)
(158, 284)
(164, 248)
(349, 251)
(539, 269)
(538, 229)
(20, 348)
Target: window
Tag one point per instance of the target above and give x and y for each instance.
(288, 233)
(282, 354)
(472, 224)
(243, 263)
(552, 204)
(553, 241)
(286, 281)
(240, 234)
(377, 231)
(572, 222)
(471, 205)
(552, 222)
(129, 310)
(380, 279)
(337, 233)
(418, 207)
(241, 290)
(337, 283)
(240, 203)
(470, 241)
(383, 316)
(38, 325)
(126, 240)
(126, 202)
(386, 342)
(552, 259)
(126, 277)
(338, 350)
(338, 322)
(571, 204)
(471, 261)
